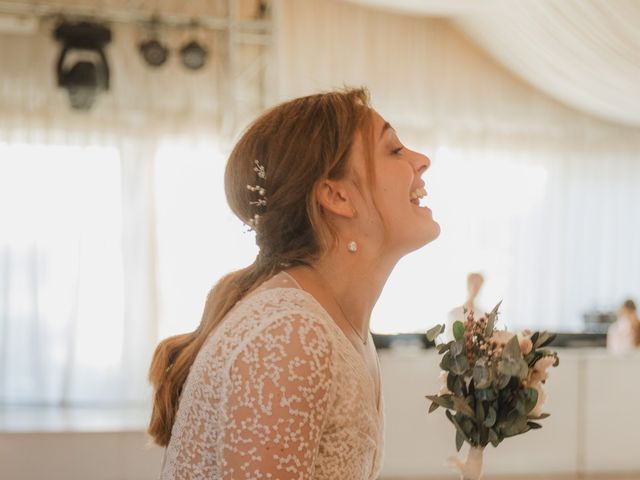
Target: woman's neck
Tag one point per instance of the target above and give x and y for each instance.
(345, 283)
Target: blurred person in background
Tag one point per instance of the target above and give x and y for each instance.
(624, 334)
(475, 281)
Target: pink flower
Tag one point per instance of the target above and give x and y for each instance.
(539, 371)
(525, 342)
(537, 410)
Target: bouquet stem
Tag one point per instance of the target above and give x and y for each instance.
(472, 469)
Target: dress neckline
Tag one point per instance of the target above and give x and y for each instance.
(343, 335)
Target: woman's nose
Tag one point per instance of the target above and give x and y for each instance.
(422, 162)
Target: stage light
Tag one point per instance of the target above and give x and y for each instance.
(88, 76)
(193, 55)
(154, 53)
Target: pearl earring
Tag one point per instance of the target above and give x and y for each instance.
(352, 246)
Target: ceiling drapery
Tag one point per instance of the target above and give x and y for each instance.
(584, 53)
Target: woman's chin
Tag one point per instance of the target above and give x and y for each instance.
(427, 235)
(436, 229)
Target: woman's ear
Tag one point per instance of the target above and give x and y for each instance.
(335, 198)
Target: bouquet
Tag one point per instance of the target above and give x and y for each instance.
(492, 384)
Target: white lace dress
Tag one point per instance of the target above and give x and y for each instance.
(277, 392)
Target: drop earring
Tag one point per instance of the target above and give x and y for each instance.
(352, 246)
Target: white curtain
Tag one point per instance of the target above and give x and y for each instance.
(585, 53)
(77, 261)
(539, 197)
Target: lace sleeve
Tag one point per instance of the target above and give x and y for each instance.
(277, 401)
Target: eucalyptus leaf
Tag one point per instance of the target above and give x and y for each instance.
(460, 405)
(544, 339)
(442, 400)
(530, 396)
(457, 348)
(491, 320)
(479, 412)
(500, 381)
(443, 347)
(434, 406)
(534, 425)
(512, 350)
(484, 435)
(542, 416)
(493, 438)
(486, 394)
(459, 364)
(490, 417)
(459, 440)
(454, 384)
(513, 367)
(515, 427)
(481, 376)
(475, 436)
(467, 425)
(432, 333)
(456, 424)
(534, 339)
(446, 362)
(458, 330)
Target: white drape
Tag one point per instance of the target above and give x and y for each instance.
(77, 268)
(585, 53)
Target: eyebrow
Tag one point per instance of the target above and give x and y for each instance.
(386, 126)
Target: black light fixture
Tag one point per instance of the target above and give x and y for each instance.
(193, 55)
(90, 75)
(153, 51)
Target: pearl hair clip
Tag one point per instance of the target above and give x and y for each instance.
(260, 202)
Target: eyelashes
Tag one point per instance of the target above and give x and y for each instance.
(396, 151)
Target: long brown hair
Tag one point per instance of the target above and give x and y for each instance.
(299, 143)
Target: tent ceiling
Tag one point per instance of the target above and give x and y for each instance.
(584, 53)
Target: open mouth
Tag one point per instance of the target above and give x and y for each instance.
(417, 195)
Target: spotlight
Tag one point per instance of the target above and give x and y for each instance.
(263, 9)
(193, 55)
(154, 53)
(87, 77)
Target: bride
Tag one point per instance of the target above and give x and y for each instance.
(281, 379)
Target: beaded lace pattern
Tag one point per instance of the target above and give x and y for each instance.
(277, 392)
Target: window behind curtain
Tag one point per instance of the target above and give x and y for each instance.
(61, 286)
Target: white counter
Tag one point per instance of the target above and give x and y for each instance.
(593, 400)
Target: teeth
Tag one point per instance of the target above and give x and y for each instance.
(418, 193)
